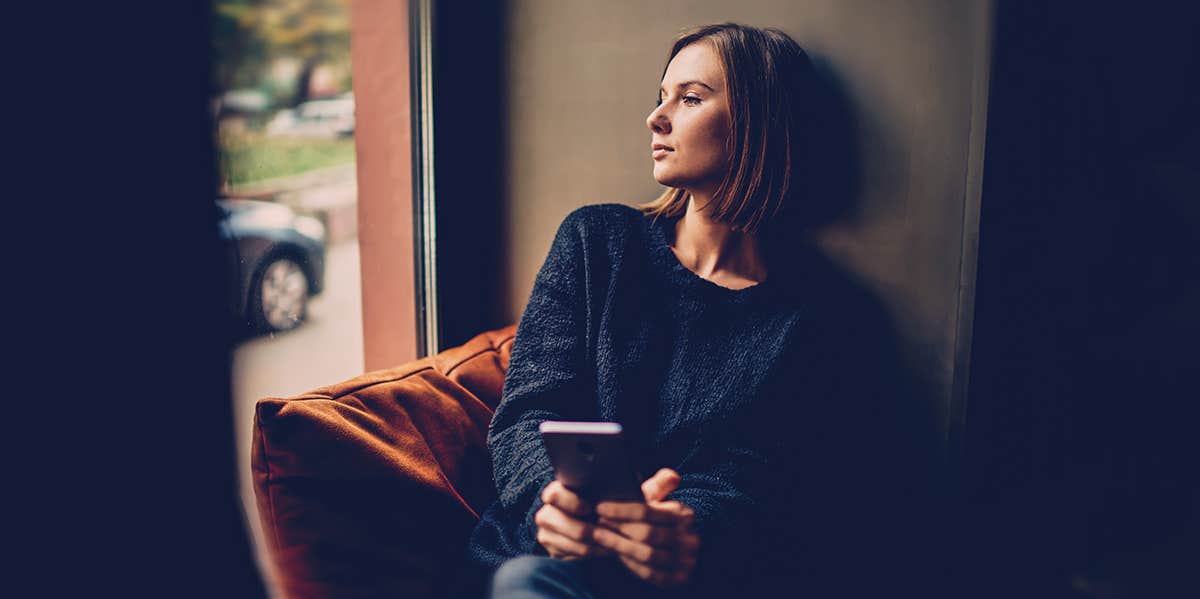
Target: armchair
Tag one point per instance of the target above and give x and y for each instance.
(370, 487)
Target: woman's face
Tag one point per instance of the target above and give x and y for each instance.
(692, 122)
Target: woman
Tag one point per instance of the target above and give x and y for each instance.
(674, 321)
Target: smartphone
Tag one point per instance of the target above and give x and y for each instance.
(590, 459)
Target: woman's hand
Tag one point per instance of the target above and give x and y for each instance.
(561, 528)
(654, 539)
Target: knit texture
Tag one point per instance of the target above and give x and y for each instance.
(722, 385)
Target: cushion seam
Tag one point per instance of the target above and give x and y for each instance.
(373, 383)
(494, 348)
(457, 495)
(267, 486)
(450, 370)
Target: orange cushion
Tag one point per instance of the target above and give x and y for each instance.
(370, 487)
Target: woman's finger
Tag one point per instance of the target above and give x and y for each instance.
(684, 545)
(640, 552)
(658, 486)
(566, 500)
(673, 506)
(687, 562)
(658, 577)
(560, 546)
(687, 516)
(632, 511)
(656, 536)
(550, 517)
(681, 536)
(688, 543)
(639, 569)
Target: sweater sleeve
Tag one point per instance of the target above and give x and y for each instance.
(547, 379)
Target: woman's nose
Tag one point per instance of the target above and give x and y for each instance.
(657, 121)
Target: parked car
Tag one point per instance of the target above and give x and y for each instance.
(276, 263)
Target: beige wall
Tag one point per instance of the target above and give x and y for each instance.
(583, 77)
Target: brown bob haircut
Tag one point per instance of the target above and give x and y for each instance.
(766, 74)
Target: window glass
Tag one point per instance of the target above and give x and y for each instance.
(284, 106)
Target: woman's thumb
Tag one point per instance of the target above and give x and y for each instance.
(658, 486)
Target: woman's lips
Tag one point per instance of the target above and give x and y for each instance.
(659, 153)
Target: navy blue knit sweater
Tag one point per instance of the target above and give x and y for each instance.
(704, 379)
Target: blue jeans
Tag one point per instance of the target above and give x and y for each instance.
(529, 576)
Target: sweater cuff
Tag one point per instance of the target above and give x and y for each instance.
(726, 542)
(711, 512)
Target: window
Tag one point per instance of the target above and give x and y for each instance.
(285, 135)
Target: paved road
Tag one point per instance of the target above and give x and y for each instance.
(325, 349)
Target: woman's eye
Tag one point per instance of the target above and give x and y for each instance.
(688, 100)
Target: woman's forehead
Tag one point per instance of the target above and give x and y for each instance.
(694, 63)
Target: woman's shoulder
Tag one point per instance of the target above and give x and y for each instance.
(604, 222)
(603, 214)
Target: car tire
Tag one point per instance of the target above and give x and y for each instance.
(278, 295)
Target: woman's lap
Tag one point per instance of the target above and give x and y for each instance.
(531, 576)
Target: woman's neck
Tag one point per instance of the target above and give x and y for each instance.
(716, 252)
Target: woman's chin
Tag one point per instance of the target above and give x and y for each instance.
(666, 179)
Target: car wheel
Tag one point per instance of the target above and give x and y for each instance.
(279, 295)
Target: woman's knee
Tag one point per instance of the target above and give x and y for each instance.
(532, 575)
(517, 571)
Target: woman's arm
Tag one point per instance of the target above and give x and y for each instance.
(549, 376)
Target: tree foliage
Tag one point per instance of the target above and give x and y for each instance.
(249, 35)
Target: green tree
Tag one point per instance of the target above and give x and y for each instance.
(249, 34)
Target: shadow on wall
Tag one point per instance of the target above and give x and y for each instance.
(831, 195)
(876, 471)
(833, 171)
